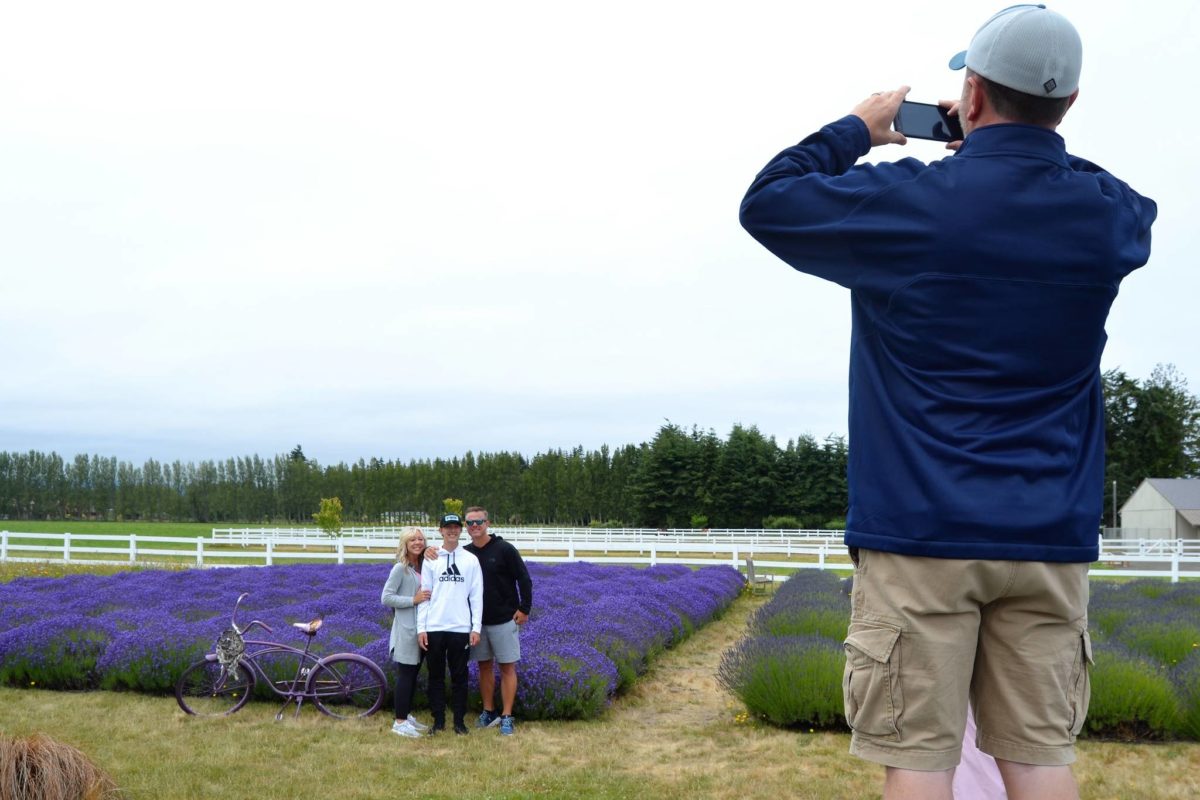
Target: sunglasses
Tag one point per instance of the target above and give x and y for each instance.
(475, 523)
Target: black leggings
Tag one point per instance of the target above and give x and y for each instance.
(406, 686)
(453, 649)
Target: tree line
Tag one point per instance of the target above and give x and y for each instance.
(680, 478)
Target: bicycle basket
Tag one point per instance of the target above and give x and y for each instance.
(230, 647)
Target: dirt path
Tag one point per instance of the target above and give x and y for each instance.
(681, 690)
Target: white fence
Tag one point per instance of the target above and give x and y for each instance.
(552, 538)
(1170, 558)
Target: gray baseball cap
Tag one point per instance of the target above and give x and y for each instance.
(1028, 48)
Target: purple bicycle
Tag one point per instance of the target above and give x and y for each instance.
(341, 685)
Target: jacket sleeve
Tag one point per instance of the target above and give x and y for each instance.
(798, 205)
(476, 597)
(1136, 214)
(524, 582)
(391, 596)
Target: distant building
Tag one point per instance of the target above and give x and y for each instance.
(1163, 508)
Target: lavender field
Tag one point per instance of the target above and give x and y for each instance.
(593, 630)
(1145, 638)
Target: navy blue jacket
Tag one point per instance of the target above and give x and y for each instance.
(979, 286)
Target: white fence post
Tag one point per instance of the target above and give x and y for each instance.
(132, 548)
(653, 554)
(734, 561)
(341, 551)
(270, 552)
(3, 545)
(1178, 554)
(199, 552)
(67, 548)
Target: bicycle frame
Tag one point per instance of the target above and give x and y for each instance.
(294, 690)
(336, 683)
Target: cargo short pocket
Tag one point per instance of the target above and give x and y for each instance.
(871, 681)
(1081, 684)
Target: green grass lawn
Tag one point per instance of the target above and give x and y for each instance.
(82, 527)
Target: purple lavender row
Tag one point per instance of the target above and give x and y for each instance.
(594, 629)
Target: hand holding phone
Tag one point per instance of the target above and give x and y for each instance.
(927, 121)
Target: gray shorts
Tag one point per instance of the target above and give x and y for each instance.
(500, 643)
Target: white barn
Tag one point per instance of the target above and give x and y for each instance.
(1163, 508)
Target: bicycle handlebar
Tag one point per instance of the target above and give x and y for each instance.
(259, 623)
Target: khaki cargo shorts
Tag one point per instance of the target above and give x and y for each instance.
(926, 634)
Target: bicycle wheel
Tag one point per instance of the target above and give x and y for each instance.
(347, 685)
(208, 689)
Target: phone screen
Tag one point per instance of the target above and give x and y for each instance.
(926, 121)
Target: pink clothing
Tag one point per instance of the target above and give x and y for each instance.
(977, 777)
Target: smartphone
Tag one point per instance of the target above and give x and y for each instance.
(926, 121)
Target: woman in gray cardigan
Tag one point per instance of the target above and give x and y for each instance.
(403, 593)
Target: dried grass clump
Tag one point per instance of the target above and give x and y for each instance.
(39, 768)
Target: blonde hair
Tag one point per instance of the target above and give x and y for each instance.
(39, 768)
(406, 536)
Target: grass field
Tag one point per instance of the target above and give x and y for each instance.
(677, 734)
(82, 527)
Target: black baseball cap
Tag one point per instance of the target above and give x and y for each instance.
(450, 519)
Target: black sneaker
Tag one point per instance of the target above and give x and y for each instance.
(437, 728)
(461, 729)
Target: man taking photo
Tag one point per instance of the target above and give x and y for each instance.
(979, 287)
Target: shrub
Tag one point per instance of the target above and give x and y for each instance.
(810, 603)
(1187, 682)
(1169, 639)
(54, 652)
(782, 523)
(1131, 697)
(787, 680)
(590, 625)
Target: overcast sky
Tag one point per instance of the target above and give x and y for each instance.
(406, 230)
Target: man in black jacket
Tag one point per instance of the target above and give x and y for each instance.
(507, 599)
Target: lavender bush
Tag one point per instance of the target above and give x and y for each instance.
(1145, 634)
(787, 680)
(788, 670)
(592, 631)
(1187, 682)
(1132, 697)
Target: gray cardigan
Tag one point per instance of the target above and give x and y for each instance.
(398, 593)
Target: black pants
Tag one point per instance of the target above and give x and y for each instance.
(406, 686)
(453, 649)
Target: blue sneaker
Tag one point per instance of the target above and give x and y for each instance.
(488, 719)
(506, 725)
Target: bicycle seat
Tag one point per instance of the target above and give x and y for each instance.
(308, 628)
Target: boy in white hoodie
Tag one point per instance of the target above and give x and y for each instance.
(448, 624)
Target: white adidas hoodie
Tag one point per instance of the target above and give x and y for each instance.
(455, 601)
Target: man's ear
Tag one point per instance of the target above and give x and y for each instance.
(975, 100)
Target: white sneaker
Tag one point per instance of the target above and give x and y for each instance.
(413, 721)
(405, 729)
